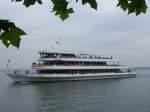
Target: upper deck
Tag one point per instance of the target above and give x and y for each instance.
(53, 55)
(68, 59)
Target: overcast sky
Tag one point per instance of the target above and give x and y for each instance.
(108, 32)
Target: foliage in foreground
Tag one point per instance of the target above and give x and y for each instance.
(11, 35)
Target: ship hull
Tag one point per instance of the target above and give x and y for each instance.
(67, 77)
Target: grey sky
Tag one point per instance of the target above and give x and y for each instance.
(108, 31)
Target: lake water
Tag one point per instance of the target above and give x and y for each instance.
(109, 95)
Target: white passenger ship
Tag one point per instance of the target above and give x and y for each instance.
(64, 66)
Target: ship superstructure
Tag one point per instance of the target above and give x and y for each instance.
(74, 63)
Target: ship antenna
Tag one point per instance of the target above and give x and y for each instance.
(58, 42)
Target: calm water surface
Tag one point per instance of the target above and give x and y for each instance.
(111, 95)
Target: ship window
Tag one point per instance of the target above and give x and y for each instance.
(79, 71)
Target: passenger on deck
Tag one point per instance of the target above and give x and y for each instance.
(26, 71)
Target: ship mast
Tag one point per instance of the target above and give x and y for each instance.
(58, 42)
(7, 65)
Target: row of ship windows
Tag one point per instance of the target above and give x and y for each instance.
(79, 71)
(55, 55)
(74, 63)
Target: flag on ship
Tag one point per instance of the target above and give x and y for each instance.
(58, 41)
(9, 61)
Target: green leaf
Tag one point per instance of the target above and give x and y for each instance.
(5, 25)
(10, 34)
(61, 9)
(28, 3)
(124, 4)
(133, 6)
(92, 3)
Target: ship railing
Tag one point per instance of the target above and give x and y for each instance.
(81, 57)
(21, 72)
(82, 65)
(128, 70)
